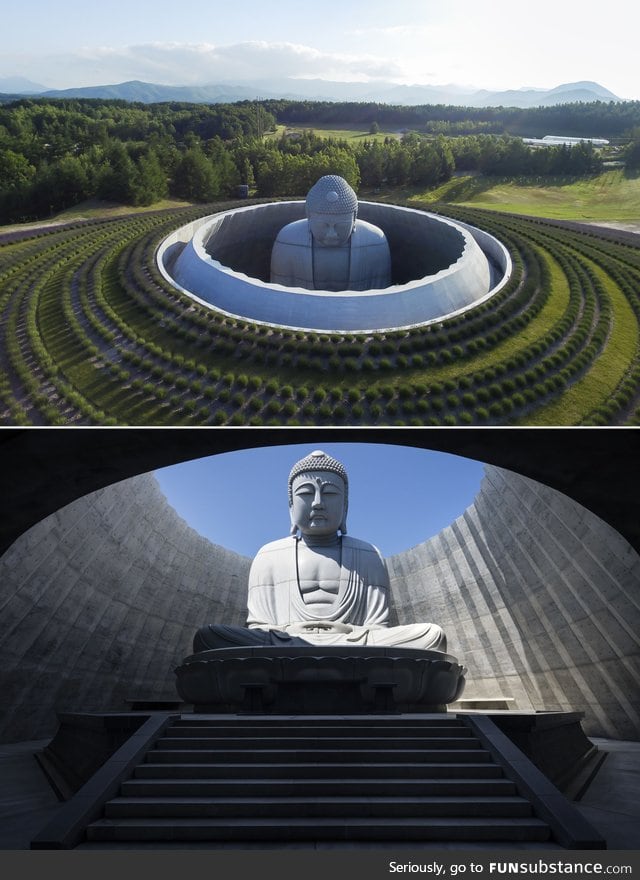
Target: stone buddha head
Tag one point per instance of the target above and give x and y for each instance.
(318, 495)
(332, 210)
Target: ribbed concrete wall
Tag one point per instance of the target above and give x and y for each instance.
(101, 600)
(540, 600)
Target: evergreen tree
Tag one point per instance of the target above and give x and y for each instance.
(15, 170)
(225, 167)
(150, 184)
(372, 163)
(117, 178)
(195, 178)
(56, 187)
(632, 151)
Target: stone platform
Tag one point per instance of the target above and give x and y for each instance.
(320, 680)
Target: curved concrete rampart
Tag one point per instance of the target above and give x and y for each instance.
(441, 268)
(540, 600)
(100, 602)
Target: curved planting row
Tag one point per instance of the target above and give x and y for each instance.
(93, 334)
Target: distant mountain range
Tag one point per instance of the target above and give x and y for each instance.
(18, 85)
(319, 90)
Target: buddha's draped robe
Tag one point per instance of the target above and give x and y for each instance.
(296, 261)
(358, 614)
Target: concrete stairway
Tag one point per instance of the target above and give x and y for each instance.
(280, 779)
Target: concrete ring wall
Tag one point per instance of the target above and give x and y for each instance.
(101, 600)
(443, 268)
(538, 596)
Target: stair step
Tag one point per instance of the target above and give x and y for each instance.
(160, 787)
(295, 730)
(317, 756)
(295, 829)
(316, 721)
(310, 742)
(316, 807)
(336, 779)
(382, 771)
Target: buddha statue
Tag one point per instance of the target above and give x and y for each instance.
(319, 586)
(331, 250)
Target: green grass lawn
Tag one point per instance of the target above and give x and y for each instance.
(609, 368)
(612, 195)
(550, 314)
(346, 133)
(94, 209)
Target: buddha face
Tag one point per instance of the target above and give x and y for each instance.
(318, 502)
(331, 230)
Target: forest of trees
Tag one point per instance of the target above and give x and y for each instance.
(57, 153)
(599, 119)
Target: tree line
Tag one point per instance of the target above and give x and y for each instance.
(55, 154)
(612, 119)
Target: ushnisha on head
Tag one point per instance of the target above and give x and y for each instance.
(318, 495)
(332, 210)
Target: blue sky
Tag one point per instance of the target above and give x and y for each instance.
(398, 496)
(500, 44)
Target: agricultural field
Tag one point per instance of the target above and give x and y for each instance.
(346, 133)
(611, 196)
(93, 335)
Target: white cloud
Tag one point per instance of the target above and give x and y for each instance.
(199, 64)
(481, 52)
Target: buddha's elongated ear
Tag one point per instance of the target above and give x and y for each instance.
(343, 524)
